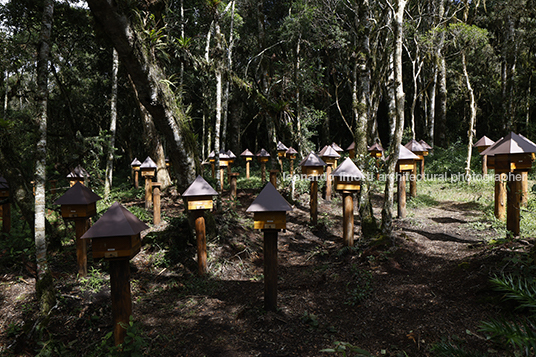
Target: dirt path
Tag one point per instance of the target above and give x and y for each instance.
(388, 299)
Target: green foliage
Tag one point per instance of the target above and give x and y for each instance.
(133, 346)
(453, 349)
(451, 160)
(94, 282)
(359, 287)
(345, 349)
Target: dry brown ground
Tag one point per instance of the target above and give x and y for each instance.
(430, 284)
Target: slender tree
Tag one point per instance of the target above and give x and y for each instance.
(113, 124)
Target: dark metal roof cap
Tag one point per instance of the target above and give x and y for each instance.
(135, 162)
(375, 147)
(263, 153)
(351, 147)
(247, 153)
(269, 200)
(486, 152)
(78, 195)
(211, 155)
(513, 144)
(425, 145)
(78, 172)
(116, 222)
(291, 151)
(484, 141)
(148, 164)
(330, 152)
(336, 147)
(406, 154)
(312, 160)
(3, 183)
(349, 170)
(414, 146)
(200, 187)
(281, 146)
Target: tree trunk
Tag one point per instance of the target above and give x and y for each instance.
(217, 125)
(472, 120)
(154, 94)
(394, 149)
(44, 284)
(113, 121)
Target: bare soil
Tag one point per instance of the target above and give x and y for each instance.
(390, 297)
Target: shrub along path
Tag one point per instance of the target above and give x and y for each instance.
(390, 299)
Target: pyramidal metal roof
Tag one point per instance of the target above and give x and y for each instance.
(135, 162)
(349, 170)
(291, 151)
(329, 151)
(263, 152)
(3, 183)
(230, 154)
(247, 153)
(78, 195)
(281, 146)
(486, 152)
(513, 144)
(78, 172)
(484, 141)
(269, 200)
(425, 145)
(406, 154)
(376, 147)
(148, 164)
(336, 147)
(116, 222)
(312, 160)
(211, 155)
(414, 146)
(224, 155)
(351, 146)
(200, 187)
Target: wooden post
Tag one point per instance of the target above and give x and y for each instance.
(291, 167)
(514, 200)
(148, 192)
(200, 233)
(136, 180)
(314, 201)
(247, 169)
(270, 269)
(500, 195)
(263, 172)
(328, 182)
(273, 177)
(524, 188)
(348, 218)
(402, 195)
(6, 217)
(213, 170)
(413, 181)
(485, 164)
(234, 177)
(81, 227)
(422, 169)
(156, 203)
(53, 186)
(221, 178)
(121, 299)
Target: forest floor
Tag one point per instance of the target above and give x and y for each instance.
(391, 298)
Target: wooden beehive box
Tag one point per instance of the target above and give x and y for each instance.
(247, 155)
(135, 164)
(376, 150)
(351, 149)
(148, 168)
(4, 188)
(281, 149)
(79, 174)
(263, 156)
(269, 209)
(415, 147)
(426, 146)
(211, 156)
(291, 153)
(347, 177)
(78, 202)
(406, 160)
(231, 156)
(116, 235)
(513, 152)
(199, 194)
(312, 165)
(329, 155)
